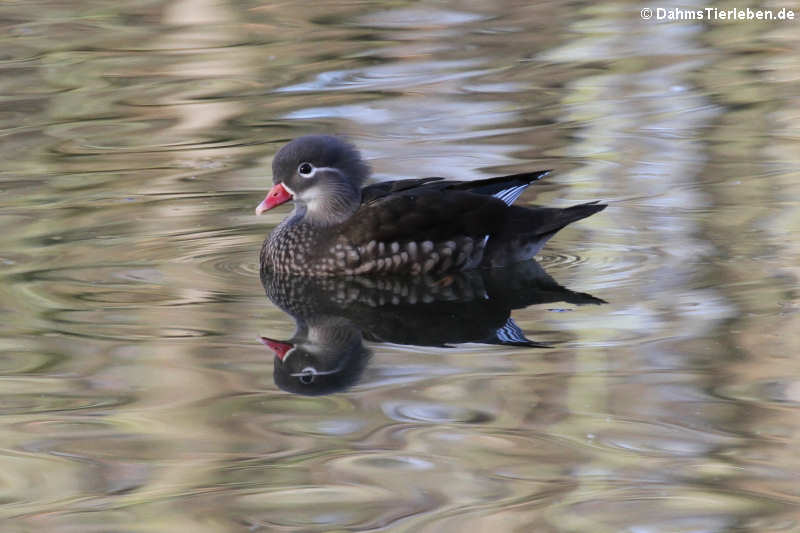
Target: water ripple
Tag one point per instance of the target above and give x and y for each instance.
(435, 413)
(230, 265)
(22, 361)
(392, 77)
(416, 18)
(20, 403)
(328, 507)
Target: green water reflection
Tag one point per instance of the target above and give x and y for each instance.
(136, 141)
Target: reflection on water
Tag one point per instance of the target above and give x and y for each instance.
(333, 316)
(135, 396)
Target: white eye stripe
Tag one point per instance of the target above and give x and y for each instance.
(318, 169)
(311, 371)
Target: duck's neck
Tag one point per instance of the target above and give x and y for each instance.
(326, 210)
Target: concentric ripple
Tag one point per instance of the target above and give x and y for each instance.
(434, 413)
(230, 265)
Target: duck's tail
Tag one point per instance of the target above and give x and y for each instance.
(528, 230)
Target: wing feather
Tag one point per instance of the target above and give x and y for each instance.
(425, 215)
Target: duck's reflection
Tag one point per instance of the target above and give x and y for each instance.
(334, 316)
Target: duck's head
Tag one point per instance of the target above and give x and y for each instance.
(322, 174)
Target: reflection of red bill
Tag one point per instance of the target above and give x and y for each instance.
(276, 196)
(279, 347)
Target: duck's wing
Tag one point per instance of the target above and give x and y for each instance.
(376, 191)
(506, 188)
(425, 214)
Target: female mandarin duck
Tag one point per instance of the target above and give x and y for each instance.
(405, 227)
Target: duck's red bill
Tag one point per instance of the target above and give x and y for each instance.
(280, 348)
(276, 196)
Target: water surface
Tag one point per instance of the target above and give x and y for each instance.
(136, 396)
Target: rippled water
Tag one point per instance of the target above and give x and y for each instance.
(136, 396)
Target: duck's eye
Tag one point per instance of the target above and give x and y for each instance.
(305, 170)
(307, 375)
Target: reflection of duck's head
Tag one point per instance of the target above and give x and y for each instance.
(319, 359)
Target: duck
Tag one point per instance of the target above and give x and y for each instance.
(340, 226)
